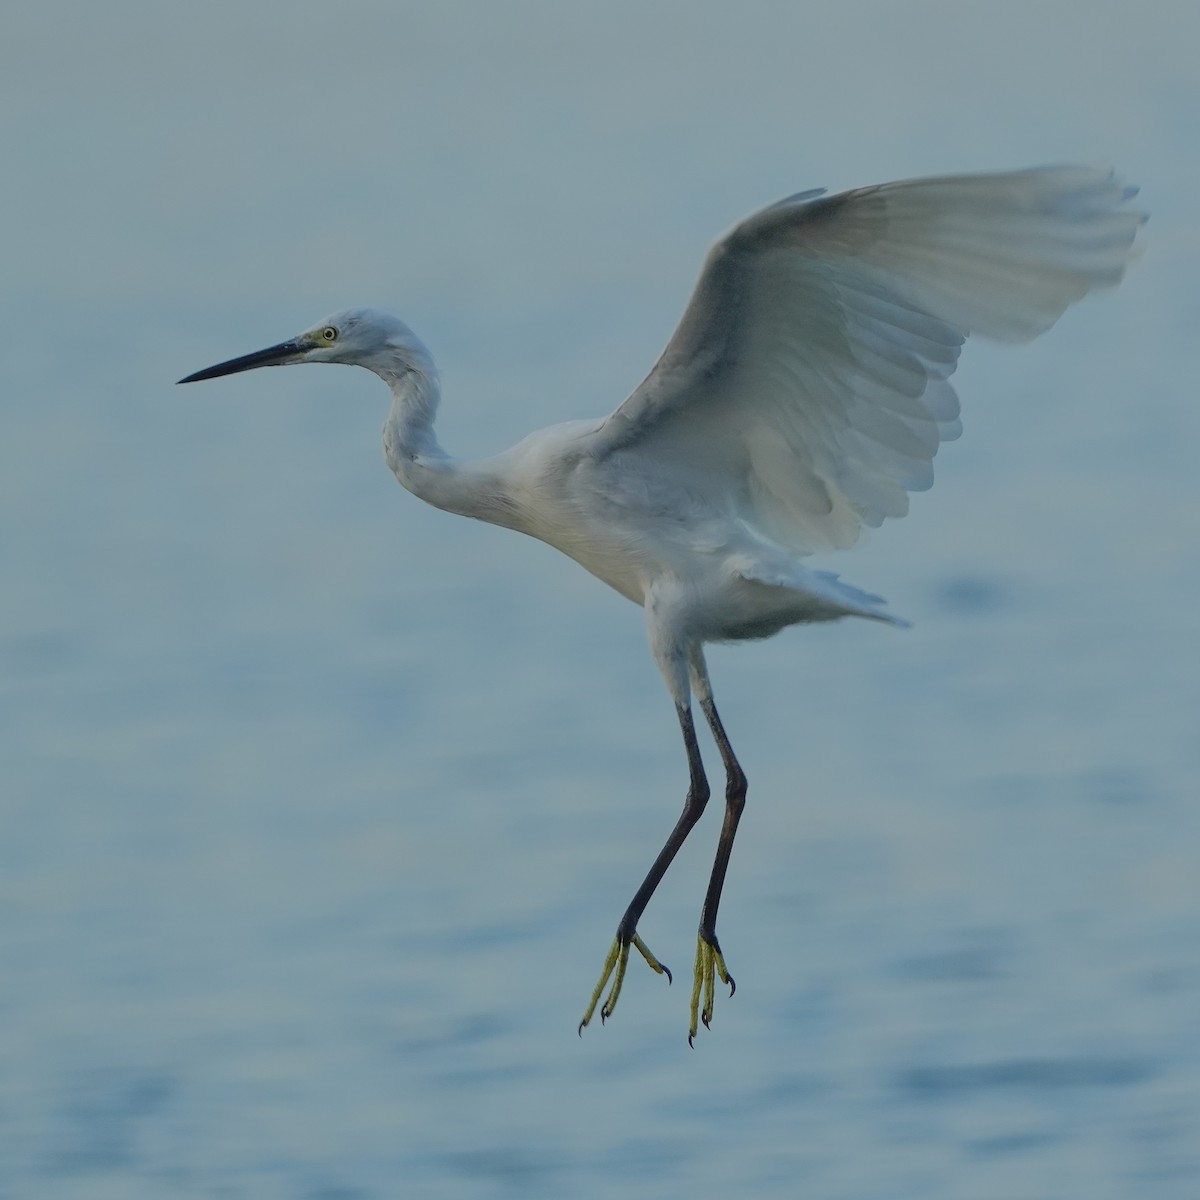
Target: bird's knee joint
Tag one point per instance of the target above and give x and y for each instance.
(735, 792)
(697, 798)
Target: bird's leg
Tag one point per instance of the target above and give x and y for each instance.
(709, 960)
(618, 956)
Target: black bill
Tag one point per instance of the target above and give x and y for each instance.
(272, 356)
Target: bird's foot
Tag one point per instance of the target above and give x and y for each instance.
(618, 960)
(709, 964)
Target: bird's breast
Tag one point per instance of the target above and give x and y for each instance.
(623, 521)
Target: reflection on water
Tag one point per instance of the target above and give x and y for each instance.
(319, 809)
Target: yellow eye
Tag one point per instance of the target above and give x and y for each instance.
(329, 334)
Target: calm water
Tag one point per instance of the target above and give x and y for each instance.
(317, 809)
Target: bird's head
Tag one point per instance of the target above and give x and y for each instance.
(361, 337)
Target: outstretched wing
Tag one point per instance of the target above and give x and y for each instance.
(807, 382)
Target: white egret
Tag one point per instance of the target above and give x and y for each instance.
(803, 396)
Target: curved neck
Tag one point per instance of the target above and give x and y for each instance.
(418, 461)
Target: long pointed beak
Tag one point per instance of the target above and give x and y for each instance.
(272, 356)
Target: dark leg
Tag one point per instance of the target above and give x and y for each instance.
(693, 806)
(709, 960)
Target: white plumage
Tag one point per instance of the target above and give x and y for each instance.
(808, 374)
(803, 396)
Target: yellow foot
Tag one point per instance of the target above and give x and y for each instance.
(618, 958)
(709, 964)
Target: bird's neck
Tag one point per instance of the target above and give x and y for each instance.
(422, 466)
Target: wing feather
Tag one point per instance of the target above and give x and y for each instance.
(806, 385)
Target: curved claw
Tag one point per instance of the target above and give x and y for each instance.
(614, 966)
(652, 962)
(710, 963)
